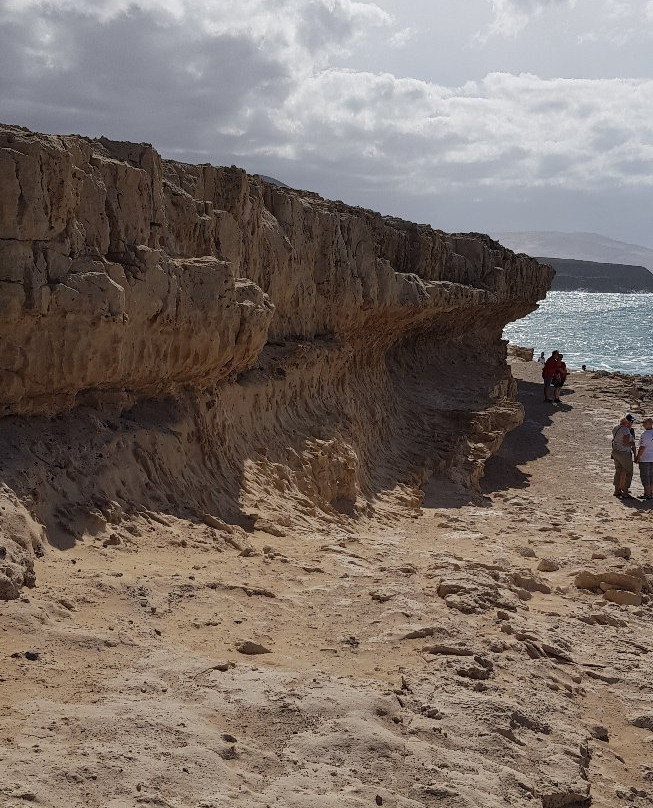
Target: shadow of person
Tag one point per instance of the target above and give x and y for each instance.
(636, 504)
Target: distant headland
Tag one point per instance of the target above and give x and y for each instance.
(591, 276)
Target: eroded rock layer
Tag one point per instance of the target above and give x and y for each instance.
(191, 339)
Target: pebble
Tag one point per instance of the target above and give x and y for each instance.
(32, 656)
(112, 541)
(599, 732)
(623, 597)
(643, 721)
(251, 648)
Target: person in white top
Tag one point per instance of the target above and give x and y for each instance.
(645, 458)
(541, 358)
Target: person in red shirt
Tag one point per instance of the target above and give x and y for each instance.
(559, 378)
(550, 369)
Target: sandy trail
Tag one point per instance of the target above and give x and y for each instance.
(447, 661)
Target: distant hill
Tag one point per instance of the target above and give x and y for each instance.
(272, 181)
(591, 276)
(581, 246)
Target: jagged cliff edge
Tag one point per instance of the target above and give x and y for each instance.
(190, 340)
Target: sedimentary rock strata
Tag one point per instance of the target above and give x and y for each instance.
(202, 337)
(124, 272)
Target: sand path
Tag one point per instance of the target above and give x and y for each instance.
(449, 660)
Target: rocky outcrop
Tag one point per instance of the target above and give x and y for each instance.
(190, 338)
(20, 539)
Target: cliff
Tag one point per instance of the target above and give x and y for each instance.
(591, 276)
(190, 340)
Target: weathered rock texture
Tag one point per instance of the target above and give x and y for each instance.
(191, 339)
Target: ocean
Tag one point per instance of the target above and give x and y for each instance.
(603, 331)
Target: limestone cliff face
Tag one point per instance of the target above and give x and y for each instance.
(211, 344)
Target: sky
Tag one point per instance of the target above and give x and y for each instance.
(470, 115)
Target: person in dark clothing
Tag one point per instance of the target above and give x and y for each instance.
(551, 367)
(559, 378)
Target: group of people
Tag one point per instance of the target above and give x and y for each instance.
(625, 452)
(554, 373)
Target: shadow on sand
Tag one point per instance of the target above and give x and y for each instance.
(637, 504)
(522, 445)
(504, 469)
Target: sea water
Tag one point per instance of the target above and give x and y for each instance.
(603, 331)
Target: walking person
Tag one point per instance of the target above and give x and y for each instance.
(644, 457)
(623, 449)
(548, 373)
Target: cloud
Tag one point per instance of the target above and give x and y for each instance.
(236, 82)
(403, 36)
(171, 71)
(621, 23)
(512, 16)
(618, 9)
(614, 21)
(293, 28)
(506, 130)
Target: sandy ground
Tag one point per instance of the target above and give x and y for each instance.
(448, 661)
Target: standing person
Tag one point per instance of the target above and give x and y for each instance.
(548, 372)
(623, 449)
(559, 378)
(644, 457)
(541, 359)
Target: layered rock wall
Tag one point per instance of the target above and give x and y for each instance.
(120, 271)
(208, 342)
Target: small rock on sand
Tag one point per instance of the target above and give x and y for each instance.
(643, 721)
(599, 732)
(623, 597)
(252, 648)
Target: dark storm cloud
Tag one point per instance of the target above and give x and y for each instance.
(135, 75)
